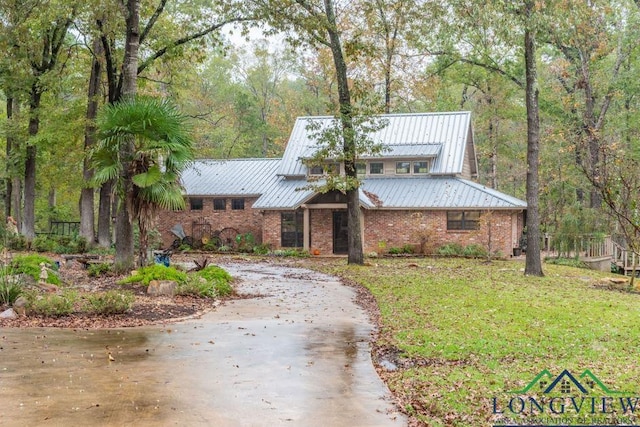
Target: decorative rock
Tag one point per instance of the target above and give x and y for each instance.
(20, 306)
(161, 287)
(8, 314)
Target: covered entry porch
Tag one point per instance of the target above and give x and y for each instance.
(318, 226)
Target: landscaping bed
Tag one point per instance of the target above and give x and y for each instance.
(74, 276)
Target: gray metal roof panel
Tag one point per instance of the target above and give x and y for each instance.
(286, 194)
(400, 193)
(419, 131)
(437, 193)
(237, 177)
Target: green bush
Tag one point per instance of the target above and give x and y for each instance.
(218, 277)
(17, 242)
(262, 249)
(475, 251)
(52, 304)
(9, 292)
(450, 249)
(155, 272)
(291, 252)
(198, 287)
(60, 244)
(43, 244)
(30, 264)
(406, 249)
(97, 270)
(110, 302)
(569, 262)
(245, 242)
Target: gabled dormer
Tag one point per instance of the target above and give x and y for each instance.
(415, 145)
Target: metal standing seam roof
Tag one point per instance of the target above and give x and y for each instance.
(400, 193)
(236, 177)
(437, 193)
(404, 133)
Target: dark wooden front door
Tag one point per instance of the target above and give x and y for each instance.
(340, 232)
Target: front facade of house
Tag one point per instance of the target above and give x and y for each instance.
(418, 191)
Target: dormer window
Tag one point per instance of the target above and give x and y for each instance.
(421, 167)
(376, 168)
(403, 167)
(316, 170)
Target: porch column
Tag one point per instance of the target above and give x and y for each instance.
(361, 216)
(306, 229)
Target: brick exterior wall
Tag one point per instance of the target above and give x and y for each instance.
(322, 230)
(426, 230)
(271, 229)
(247, 220)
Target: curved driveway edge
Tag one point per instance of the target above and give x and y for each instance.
(297, 352)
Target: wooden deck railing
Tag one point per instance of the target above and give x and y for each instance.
(582, 246)
(625, 259)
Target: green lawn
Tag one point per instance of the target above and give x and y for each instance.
(476, 331)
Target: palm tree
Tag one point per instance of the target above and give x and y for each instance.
(162, 148)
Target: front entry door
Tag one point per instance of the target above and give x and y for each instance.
(340, 232)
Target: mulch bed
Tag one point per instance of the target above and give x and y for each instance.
(146, 310)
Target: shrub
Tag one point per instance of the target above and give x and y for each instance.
(218, 277)
(155, 272)
(30, 264)
(406, 249)
(110, 302)
(569, 262)
(43, 244)
(245, 242)
(96, 270)
(450, 249)
(262, 249)
(292, 252)
(17, 242)
(197, 286)
(52, 304)
(9, 292)
(475, 251)
(71, 245)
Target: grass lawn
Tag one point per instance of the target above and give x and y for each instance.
(466, 332)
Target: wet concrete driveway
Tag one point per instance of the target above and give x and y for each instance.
(296, 354)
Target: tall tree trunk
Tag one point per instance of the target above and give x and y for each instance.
(124, 259)
(87, 212)
(9, 152)
(355, 251)
(104, 215)
(29, 222)
(15, 200)
(533, 263)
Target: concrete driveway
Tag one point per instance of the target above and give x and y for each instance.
(296, 353)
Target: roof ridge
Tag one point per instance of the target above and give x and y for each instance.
(237, 159)
(434, 113)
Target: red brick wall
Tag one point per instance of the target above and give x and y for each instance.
(245, 221)
(322, 230)
(271, 229)
(386, 229)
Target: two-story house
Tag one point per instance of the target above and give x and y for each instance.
(418, 191)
